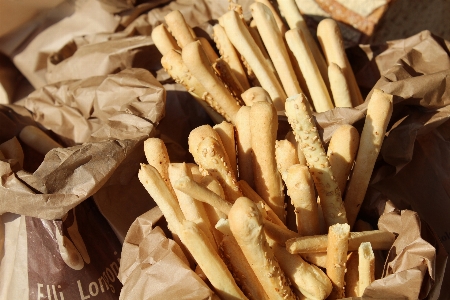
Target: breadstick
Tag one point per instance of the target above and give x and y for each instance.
(37, 139)
(166, 201)
(300, 118)
(366, 268)
(225, 74)
(163, 40)
(248, 192)
(11, 149)
(337, 248)
(339, 87)
(195, 59)
(179, 28)
(242, 40)
(268, 184)
(319, 259)
(192, 209)
(279, 233)
(290, 136)
(342, 151)
(214, 214)
(255, 94)
(209, 51)
(210, 262)
(295, 20)
(380, 240)
(211, 158)
(246, 224)
(241, 270)
(186, 185)
(253, 29)
(379, 111)
(229, 54)
(316, 85)
(300, 187)
(311, 281)
(274, 43)
(285, 156)
(352, 276)
(174, 65)
(282, 28)
(244, 145)
(226, 133)
(156, 154)
(330, 38)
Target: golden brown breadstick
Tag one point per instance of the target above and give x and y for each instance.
(242, 272)
(201, 193)
(366, 267)
(380, 240)
(11, 149)
(246, 223)
(337, 247)
(37, 139)
(229, 54)
(195, 59)
(379, 111)
(300, 118)
(330, 38)
(278, 233)
(274, 43)
(210, 262)
(226, 133)
(211, 157)
(342, 152)
(174, 65)
(179, 28)
(290, 136)
(282, 28)
(209, 51)
(319, 259)
(295, 20)
(214, 214)
(316, 85)
(163, 40)
(244, 145)
(198, 134)
(158, 190)
(268, 184)
(192, 209)
(339, 87)
(253, 30)
(225, 74)
(242, 40)
(255, 94)
(352, 276)
(156, 154)
(311, 281)
(285, 156)
(300, 187)
(250, 193)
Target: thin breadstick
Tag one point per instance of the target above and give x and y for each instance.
(282, 28)
(186, 185)
(209, 51)
(255, 94)
(380, 240)
(163, 40)
(37, 139)
(244, 145)
(11, 149)
(157, 156)
(229, 54)
(192, 209)
(214, 214)
(210, 262)
(290, 136)
(174, 65)
(300, 118)
(179, 28)
(295, 20)
(250, 193)
(166, 201)
(311, 281)
(319, 259)
(241, 270)
(300, 187)
(285, 156)
(366, 267)
(279, 233)
(352, 275)
(253, 30)
(330, 38)
(195, 59)
(316, 85)
(339, 87)
(379, 111)
(211, 157)
(274, 43)
(342, 152)
(246, 223)
(225, 74)
(240, 37)
(337, 248)
(226, 133)
(268, 183)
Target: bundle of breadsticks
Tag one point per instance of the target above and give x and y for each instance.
(256, 55)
